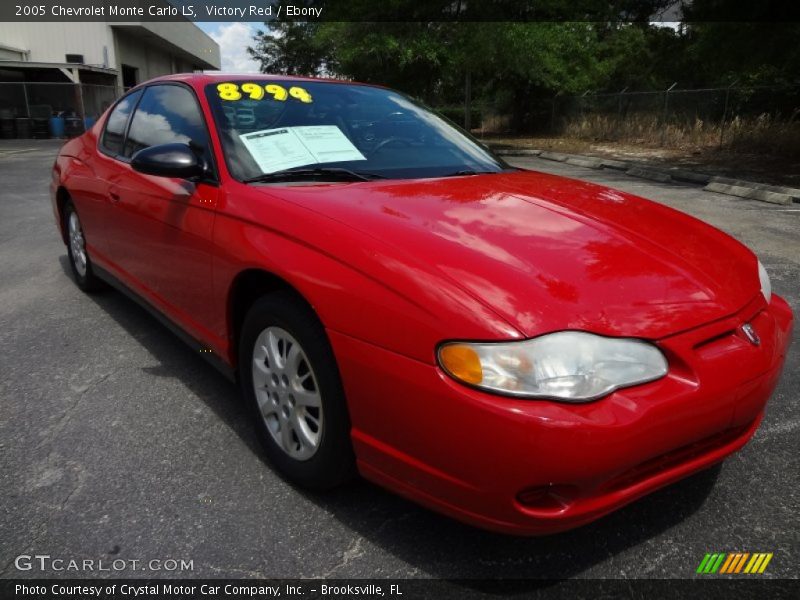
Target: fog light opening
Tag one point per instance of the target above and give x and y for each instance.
(550, 497)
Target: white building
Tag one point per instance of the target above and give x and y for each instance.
(82, 66)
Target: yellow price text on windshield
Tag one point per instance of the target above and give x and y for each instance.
(255, 91)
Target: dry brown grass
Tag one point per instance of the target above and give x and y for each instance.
(758, 149)
(761, 134)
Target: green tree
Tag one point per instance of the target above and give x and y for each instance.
(290, 48)
(758, 53)
(518, 65)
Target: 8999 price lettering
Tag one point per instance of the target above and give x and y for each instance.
(255, 91)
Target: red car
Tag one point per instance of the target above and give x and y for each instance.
(520, 351)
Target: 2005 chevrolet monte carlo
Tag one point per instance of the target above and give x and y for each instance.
(520, 351)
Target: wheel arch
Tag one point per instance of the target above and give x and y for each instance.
(247, 287)
(62, 197)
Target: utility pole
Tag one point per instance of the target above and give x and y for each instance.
(618, 125)
(725, 112)
(664, 116)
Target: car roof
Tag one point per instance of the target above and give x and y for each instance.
(201, 79)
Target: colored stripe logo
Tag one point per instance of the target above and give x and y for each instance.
(734, 562)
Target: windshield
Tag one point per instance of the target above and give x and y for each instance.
(271, 126)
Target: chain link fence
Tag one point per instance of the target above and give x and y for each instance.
(44, 110)
(745, 119)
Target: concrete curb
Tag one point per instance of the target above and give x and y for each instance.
(749, 193)
(556, 156)
(610, 163)
(778, 189)
(651, 174)
(689, 176)
(589, 163)
(522, 152)
(750, 190)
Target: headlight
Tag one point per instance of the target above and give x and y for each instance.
(572, 366)
(766, 285)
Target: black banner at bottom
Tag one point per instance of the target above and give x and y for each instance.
(398, 589)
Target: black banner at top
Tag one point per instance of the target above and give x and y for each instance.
(399, 10)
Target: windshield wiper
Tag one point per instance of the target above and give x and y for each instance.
(299, 174)
(474, 172)
(467, 172)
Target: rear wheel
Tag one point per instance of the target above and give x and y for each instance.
(79, 260)
(290, 380)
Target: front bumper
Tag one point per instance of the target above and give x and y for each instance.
(533, 467)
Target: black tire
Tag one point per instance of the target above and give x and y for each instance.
(87, 281)
(333, 461)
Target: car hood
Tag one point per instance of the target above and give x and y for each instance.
(548, 253)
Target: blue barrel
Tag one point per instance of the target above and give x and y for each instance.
(57, 127)
(89, 122)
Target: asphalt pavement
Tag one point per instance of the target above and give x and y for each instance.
(119, 442)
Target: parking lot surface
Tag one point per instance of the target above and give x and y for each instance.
(119, 442)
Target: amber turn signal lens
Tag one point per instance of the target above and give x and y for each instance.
(461, 362)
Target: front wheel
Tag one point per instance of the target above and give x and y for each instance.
(290, 380)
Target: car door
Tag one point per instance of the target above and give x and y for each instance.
(160, 228)
(92, 173)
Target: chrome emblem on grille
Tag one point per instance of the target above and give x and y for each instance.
(751, 334)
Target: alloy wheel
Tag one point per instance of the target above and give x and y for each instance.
(77, 244)
(287, 393)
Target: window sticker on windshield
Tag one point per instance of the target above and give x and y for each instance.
(289, 147)
(256, 91)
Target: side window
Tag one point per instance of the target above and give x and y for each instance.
(166, 114)
(114, 133)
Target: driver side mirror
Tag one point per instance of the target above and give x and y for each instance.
(169, 160)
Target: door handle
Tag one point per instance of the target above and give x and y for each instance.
(113, 193)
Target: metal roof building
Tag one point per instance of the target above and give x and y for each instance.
(80, 67)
